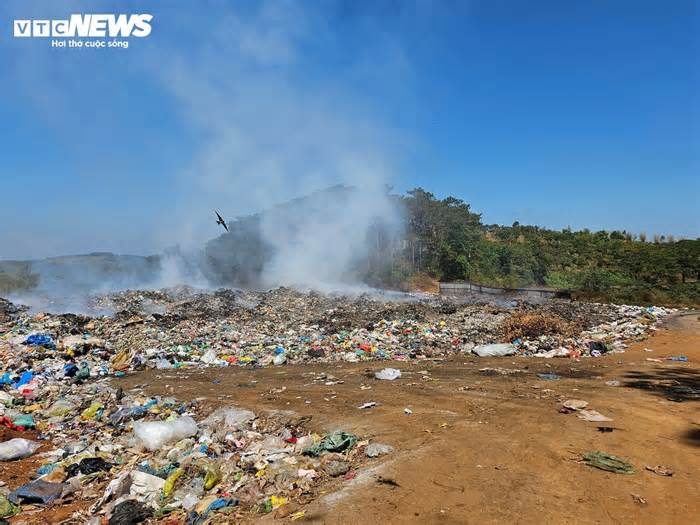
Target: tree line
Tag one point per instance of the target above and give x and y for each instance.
(446, 240)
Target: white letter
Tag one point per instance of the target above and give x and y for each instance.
(98, 24)
(79, 24)
(23, 28)
(41, 28)
(143, 27)
(121, 26)
(59, 27)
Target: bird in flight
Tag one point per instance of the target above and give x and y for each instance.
(220, 220)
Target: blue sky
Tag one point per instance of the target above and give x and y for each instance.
(580, 113)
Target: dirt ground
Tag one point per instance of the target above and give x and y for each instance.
(491, 446)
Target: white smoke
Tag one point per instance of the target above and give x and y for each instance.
(262, 123)
(267, 132)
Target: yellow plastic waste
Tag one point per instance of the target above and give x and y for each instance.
(278, 501)
(212, 476)
(121, 360)
(171, 480)
(91, 411)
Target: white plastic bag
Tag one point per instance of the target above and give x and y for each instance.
(494, 350)
(388, 373)
(17, 448)
(145, 486)
(155, 434)
(209, 357)
(229, 417)
(374, 450)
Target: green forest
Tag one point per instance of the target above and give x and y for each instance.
(447, 241)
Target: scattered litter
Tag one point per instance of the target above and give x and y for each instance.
(575, 404)
(495, 350)
(88, 466)
(133, 457)
(369, 404)
(593, 416)
(17, 448)
(638, 499)
(129, 512)
(155, 434)
(336, 468)
(549, 376)
(388, 373)
(7, 508)
(614, 382)
(387, 481)
(407, 411)
(336, 441)
(39, 491)
(605, 461)
(661, 470)
(374, 450)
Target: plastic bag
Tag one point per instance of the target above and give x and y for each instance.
(60, 408)
(38, 491)
(145, 486)
(229, 417)
(605, 461)
(130, 511)
(7, 508)
(92, 411)
(209, 357)
(212, 476)
(494, 350)
(17, 448)
(388, 373)
(40, 340)
(336, 441)
(374, 450)
(171, 480)
(24, 379)
(155, 434)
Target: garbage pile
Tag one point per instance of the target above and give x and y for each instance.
(229, 327)
(630, 323)
(129, 458)
(183, 327)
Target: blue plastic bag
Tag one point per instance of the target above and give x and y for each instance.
(25, 378)
(40, 340)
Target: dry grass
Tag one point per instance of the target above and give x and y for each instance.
(529, 325)
(420, 282)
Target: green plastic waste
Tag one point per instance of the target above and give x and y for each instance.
(7, 508)
(24, 420)
(605, 461)
(336, 441)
